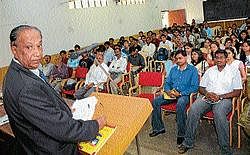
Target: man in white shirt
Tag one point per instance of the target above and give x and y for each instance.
(116, 69)
(148, 49)
(48, 66)
(95, 77)
(217, 88)
(166, 43)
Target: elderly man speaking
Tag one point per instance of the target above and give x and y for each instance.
(40, 119)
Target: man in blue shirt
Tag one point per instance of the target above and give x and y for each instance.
(184, 79)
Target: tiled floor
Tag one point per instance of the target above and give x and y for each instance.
(165, 144)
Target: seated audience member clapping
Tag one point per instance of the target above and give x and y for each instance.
(116, 69)
(137, 60)
(180, 83)
(95, 77)
(217, 88)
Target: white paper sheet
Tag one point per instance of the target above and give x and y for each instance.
(84, 109)
(4, 119)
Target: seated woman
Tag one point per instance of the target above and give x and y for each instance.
(245, 53)
(198, 61)
(235, 64)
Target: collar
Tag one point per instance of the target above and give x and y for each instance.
(35, 71)
(178, 67)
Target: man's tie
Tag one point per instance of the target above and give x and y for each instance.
(42, 76)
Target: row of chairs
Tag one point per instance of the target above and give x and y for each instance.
(155, 80)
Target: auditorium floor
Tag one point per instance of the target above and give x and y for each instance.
(165, 144)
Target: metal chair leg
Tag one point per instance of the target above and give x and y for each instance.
(137, 144)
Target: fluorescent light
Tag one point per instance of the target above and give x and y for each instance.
(78, 4)
(71, 5)
(85, 4)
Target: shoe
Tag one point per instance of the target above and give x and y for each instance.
(155, 133)
(182, 149)
(180, 140)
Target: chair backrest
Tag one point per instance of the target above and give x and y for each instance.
(150, 79)
(81, 73)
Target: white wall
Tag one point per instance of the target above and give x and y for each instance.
(62, 27)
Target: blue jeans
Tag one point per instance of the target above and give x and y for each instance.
(220, 110)
(157, 122)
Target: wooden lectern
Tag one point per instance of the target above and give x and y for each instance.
(128, 114)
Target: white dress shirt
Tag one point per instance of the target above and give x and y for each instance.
(47, 69)
(96, 74)
(148, 50)
(168, 45)
(221, 82)
(118, 65)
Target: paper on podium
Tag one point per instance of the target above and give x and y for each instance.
(84, 109)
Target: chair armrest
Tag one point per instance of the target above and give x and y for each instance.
(63, 82)
(79, 84)
(191, 99)
(132, 88)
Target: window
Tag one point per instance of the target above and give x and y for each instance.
(77, 4)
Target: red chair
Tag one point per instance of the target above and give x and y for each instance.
(147, 80)
(79, 75)
(210, 116)
(172, 106)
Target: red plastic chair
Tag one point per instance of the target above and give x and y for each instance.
(172, 106)
(79, 75)
(147, 79)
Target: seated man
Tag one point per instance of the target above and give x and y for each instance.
(218, 86)
(184, 79)
(148, 49)
(86, 61)
(95, 77)
(109, 55)
(59, 72)
(48, 66)
(116, 69)
(137, 60)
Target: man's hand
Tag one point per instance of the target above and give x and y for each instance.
(101, 121)
(170, 93)
(90, 85)
(212, 97)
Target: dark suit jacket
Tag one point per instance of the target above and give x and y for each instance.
(40, 119)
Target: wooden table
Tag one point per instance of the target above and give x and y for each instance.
(128, 114)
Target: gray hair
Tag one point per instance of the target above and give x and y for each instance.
(15, 32)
